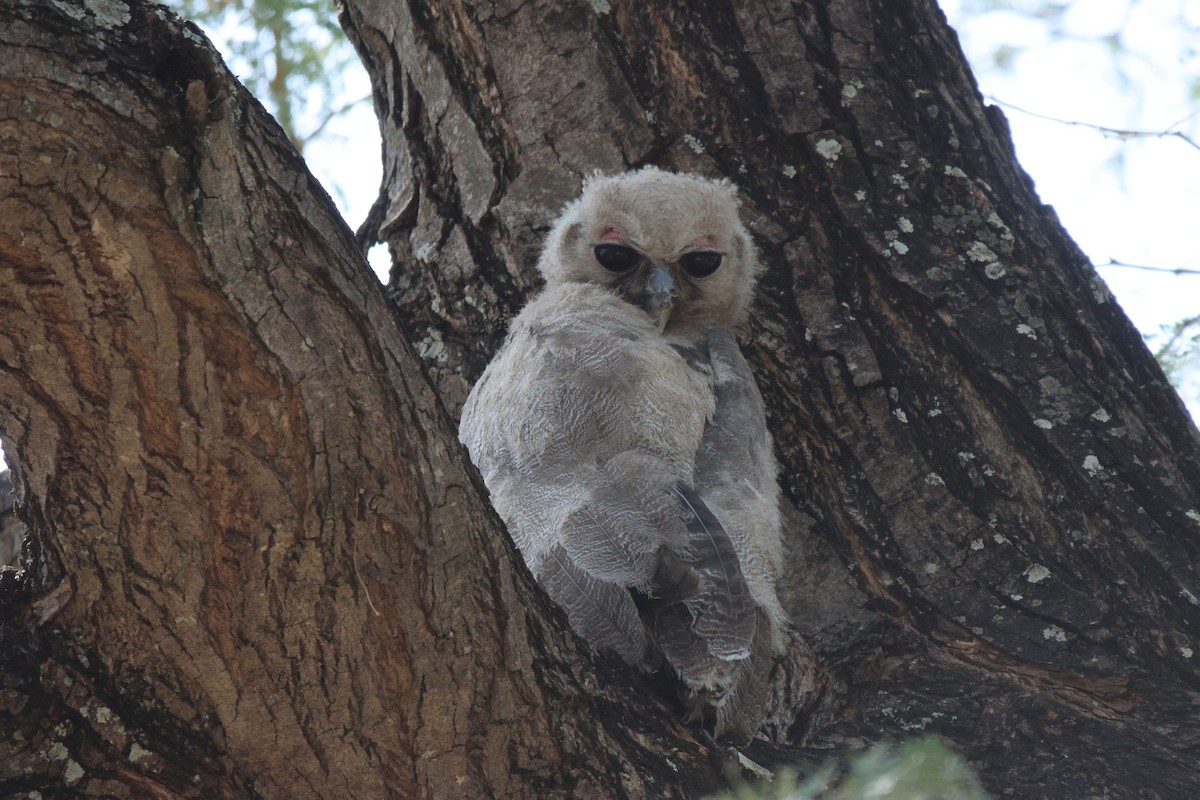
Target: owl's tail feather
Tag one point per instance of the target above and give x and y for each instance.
(741, 712)
(724, 612)
(602, 613)
(733, 705)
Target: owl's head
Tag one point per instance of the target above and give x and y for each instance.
(671, 244)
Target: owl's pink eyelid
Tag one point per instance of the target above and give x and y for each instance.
(612, 236)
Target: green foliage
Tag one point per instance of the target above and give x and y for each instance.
(1177, 348)
(921, 769)
(291, 54)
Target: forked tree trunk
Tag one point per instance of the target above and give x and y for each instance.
(264, 567)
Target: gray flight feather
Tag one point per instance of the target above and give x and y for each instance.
(723, 611)
(629, 456)
(740, 711)
(605, 610)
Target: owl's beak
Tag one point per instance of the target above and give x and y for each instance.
(660, 296)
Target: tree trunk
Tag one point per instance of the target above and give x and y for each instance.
(263, 567)
(12, 532)
(995, 497)
(267, 568)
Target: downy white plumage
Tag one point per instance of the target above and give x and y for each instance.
(623, 440)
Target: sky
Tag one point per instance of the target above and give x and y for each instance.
(1119, 64)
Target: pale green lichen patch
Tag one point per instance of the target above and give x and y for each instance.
(1192, 514)
(109, 14)
(829, 149)
(1026, 330)
(1100, 290)
(788, 171)
(425, 252)
(1055, 633)
(1044, 424)
(1092, 465)
(72, 773)
(694, 143)
(1186, 652)
(977, 544)
(980, 252)
(138, 754)
(905, 225)
(432, 347)
(1101, 415)
(1037, 573)
(71, 10)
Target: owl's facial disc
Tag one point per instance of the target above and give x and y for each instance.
(648, 284)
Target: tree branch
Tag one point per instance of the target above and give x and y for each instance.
(1112, 262)
(1115, 133)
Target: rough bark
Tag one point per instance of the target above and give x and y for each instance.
(12, 532)
(994, 491)
(265, 569)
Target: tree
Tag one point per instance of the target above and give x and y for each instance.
(291, 53)
(1132, 149)
(12, 533)
(263, 566)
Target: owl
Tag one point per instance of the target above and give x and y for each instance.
(622, 438)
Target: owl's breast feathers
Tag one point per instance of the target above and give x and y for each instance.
(601, 443)
(585, 375)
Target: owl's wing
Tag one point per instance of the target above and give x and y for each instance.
(736, 443)
(737, 475)
(736, 529)
(723, 610)
(719, 640)
(555, 426)
(625, 518)
(603, 613)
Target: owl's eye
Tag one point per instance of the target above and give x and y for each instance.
(616, 257)
(701, 263)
